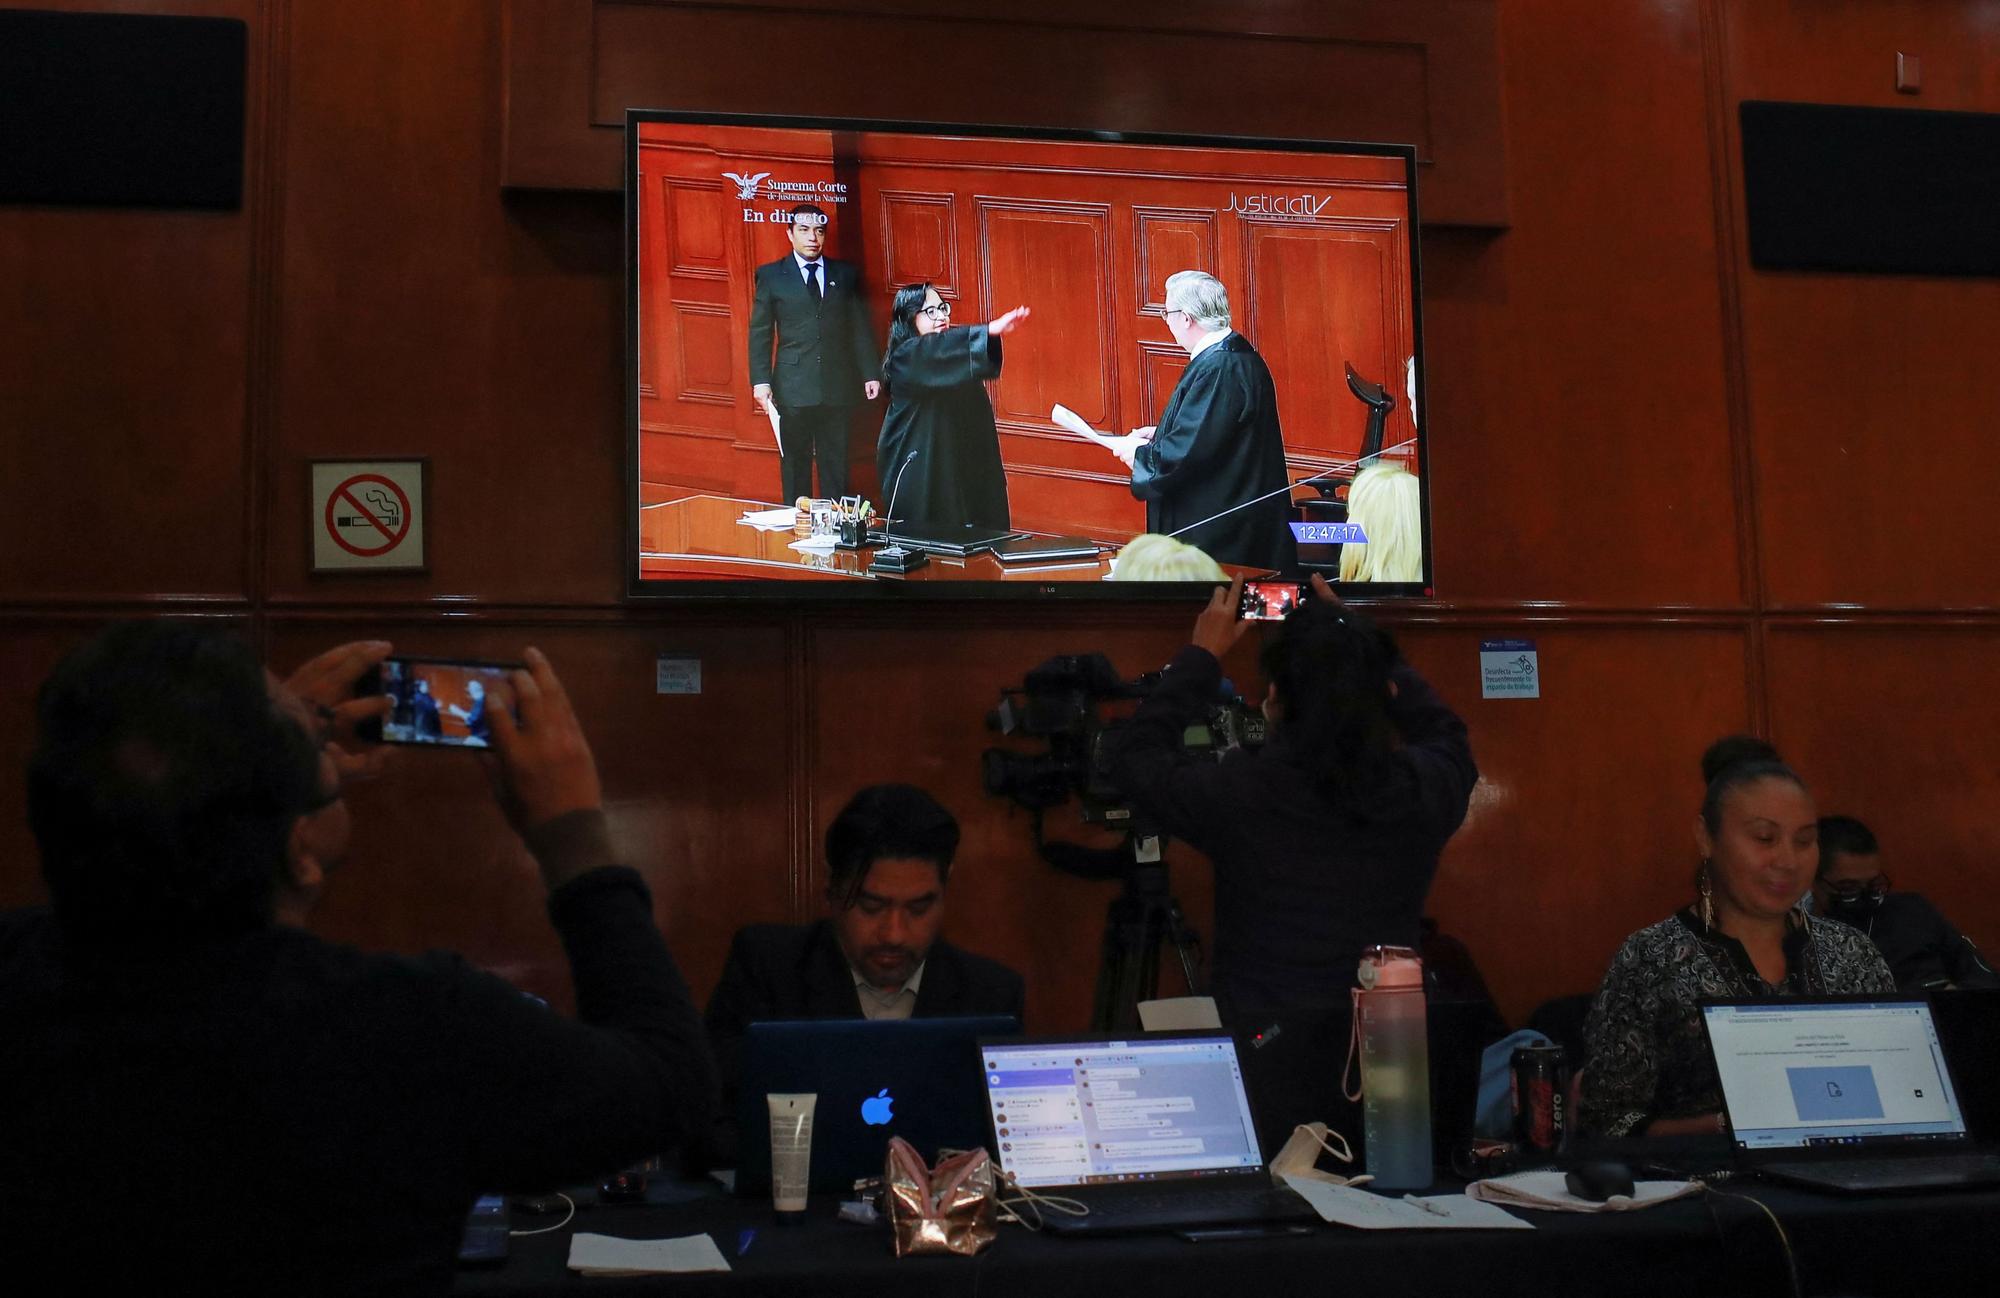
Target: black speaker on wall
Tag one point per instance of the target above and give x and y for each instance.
(121, 110)
(1886, 190)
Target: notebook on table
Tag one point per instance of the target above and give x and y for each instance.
(914, 1078)
(1851, 1094)
(1152, 1131)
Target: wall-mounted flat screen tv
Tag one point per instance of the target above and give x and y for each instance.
(874, 360)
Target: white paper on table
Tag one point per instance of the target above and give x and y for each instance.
(1550, 1190)
(1066, 418)
(609, 1255)
(1179, 1014)
(1344, 1205)
(771, 412)
(770, 520)
(816, 544)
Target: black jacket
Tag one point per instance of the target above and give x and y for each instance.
(826, 349)
(1216, 449)
(783, 971)
(272, 1113)
(1300, 887)
(1922, 947)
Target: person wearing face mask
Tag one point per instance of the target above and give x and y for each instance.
(1647, 1067)
(939, 451)
(1324, 841)
(1923, 949)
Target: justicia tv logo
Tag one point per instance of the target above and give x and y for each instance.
(1303, 206)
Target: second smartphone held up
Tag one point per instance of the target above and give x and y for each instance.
(438, 701)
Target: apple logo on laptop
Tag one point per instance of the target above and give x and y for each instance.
(875, 1109)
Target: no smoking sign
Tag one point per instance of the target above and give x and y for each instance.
(367, 515)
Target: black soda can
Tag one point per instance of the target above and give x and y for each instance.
(1541, 1095)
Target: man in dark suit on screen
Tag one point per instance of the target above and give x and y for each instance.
(826, 361)
(1212, 471)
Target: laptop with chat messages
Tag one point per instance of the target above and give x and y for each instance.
(914, 1078)
(1850, 1093)
(1152, 1131)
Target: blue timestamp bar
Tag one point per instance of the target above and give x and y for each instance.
(1329, 534)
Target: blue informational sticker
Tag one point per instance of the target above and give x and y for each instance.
(1329, 534)
(1509, 669)
(675, 673)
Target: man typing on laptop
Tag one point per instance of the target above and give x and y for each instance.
(876, 955)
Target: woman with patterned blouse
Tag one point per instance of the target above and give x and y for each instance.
(1647, 1066)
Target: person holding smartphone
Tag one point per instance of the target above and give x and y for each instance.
(1324, 841)
(338, 1110)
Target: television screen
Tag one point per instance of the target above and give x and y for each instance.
(890, 360)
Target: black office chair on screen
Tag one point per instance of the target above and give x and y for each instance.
(1328, 503)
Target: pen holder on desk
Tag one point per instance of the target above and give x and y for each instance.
(853, 534)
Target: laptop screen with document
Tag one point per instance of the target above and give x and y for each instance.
(1134, 1109)
(1799, 1073)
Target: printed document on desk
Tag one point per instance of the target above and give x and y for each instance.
(609, 1255)
(1344, 1205)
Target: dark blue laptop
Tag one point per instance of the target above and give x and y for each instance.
(915, 1078)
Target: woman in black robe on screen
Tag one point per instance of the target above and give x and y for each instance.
(939, 452)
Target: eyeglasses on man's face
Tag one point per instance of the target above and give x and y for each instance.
(1877, 887)
(936, 310)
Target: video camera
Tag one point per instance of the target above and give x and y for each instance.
(1060, 701)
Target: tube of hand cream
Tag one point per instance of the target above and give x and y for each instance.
(791, 1150)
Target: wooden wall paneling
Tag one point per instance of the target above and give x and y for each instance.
(1581, 828)
(919, 241)
(1057, 259)
(124, 387)
(1579, 425)
(1317, 298)
(421, 316)
(1867, 393)
(1358, 70)
(696, 791)
(1898, 724)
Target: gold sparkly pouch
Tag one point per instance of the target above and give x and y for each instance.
(946, 1209)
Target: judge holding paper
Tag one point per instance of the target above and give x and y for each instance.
(939, 451)
(1212, 471)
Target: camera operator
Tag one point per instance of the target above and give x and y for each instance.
(1324, 841)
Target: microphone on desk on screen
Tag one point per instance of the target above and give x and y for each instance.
(895, 487)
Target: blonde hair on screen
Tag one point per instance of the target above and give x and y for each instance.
(1384, 500)
(1152, 557)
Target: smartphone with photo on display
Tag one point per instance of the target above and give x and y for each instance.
(1269, 601)
(438, 702)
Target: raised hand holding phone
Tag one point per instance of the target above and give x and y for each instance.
(545, 762)
(328, 682)
(1218, 628)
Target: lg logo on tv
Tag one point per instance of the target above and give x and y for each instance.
(875, 1109)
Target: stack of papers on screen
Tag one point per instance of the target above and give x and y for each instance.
(1344, 1205)
(609, 1255)
(1549, 1191)
(770, 520)
(816, 544)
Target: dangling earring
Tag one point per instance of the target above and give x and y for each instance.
(1707, 898)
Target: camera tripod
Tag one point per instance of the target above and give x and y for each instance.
(1137, 923)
